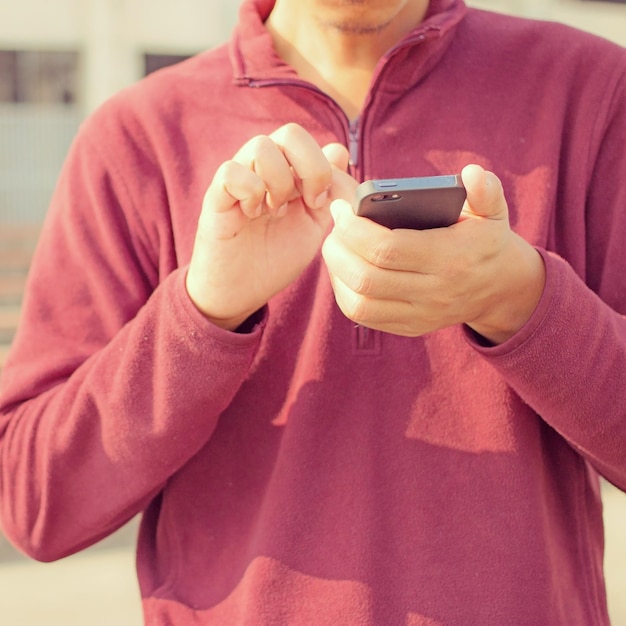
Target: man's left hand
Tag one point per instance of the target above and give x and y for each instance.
(408, 282)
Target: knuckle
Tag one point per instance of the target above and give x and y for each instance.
(225, 171)
(356, 310)
(253, 150)
(261, 144)
(290, 131)
(383, 253)
(361, 282)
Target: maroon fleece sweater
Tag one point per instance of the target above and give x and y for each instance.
(311, 471)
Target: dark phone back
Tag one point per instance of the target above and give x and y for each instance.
(419, 203)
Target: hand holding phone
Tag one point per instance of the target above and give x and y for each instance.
(419, 203)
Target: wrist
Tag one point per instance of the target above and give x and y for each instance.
(236, 323)
(516, 303)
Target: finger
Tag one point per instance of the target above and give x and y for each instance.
(337, 155)
(368, 280)
(392, 315)
(485, 196)
(343, 185)
(401, 249)
(262, 156)
(234, 184)
(309, 164)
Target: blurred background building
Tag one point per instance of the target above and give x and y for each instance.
(59, 59)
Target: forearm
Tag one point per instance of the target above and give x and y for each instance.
(81, 458)
(569, 363)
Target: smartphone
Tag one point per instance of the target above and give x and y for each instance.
(420, 203)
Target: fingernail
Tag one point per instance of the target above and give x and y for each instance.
(321, 200)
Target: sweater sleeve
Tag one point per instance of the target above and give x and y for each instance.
(569, 364)
(569, 361)
(114, 380)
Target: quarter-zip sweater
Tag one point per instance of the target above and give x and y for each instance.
(310, 471)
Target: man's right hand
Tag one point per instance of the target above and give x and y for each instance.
(263, 219)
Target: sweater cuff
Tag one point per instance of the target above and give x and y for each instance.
(200, 326)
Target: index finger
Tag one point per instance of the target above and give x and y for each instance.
(308, 162)
(400, 249)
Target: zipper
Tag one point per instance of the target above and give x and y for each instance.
(353, 143)
(353, 139)
(365, 341)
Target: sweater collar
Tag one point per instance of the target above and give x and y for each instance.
(254, 58)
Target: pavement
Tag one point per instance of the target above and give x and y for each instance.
(615, 553)
(98, 587)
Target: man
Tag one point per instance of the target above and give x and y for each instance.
(324, 421)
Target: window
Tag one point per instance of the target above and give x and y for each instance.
(153, 62)
(38, 76)
(39, 115)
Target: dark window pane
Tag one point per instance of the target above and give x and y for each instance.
(153, 62)
(8, 76)
(38, 76)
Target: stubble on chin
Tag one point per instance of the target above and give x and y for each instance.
(352, 26)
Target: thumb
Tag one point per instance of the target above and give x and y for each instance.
(343, 185)
(485, 196)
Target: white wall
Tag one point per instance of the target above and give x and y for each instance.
(167, 23)
(605, 19)
(40, 23)
(180, 24)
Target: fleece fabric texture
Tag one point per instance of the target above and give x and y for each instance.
(311, 471)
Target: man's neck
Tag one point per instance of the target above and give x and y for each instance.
(339, 52)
